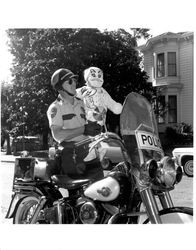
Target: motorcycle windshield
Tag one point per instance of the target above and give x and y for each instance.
(139, 131)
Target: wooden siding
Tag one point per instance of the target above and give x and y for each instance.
(186, 79)
(182, 84)
(148, 64)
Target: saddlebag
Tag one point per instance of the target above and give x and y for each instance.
(30, 168)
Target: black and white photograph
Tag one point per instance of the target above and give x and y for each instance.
(97, 127)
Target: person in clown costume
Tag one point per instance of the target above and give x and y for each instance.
(96, 99)
(96, 102)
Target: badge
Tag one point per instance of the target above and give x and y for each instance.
(53, 112)
(105, 191)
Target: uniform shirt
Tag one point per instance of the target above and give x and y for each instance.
(63, 113)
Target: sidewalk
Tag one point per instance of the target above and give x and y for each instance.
(7, 158)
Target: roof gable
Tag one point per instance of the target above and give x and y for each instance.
(164, 36)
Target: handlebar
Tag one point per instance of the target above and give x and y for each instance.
(108, 137)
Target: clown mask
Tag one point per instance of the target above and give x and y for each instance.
(93, 77)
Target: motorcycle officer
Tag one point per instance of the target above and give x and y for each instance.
(67, 122)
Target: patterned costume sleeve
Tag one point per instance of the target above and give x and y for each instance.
(112, 105)
(79, 93)
(54, 115)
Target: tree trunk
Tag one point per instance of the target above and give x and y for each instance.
(7, 137)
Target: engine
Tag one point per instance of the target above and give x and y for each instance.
(89, 214)
(61, 212)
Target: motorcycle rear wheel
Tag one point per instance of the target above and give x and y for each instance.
(25, 210)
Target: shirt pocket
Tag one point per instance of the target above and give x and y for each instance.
(70, 120)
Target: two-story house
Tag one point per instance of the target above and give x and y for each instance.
(168, 61)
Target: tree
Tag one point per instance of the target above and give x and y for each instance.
(5, 115)
(139, 33)
(39, 52)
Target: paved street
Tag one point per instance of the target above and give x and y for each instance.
(182, 195)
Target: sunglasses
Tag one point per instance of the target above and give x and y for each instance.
(71, 80)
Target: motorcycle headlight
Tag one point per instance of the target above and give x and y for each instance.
(152, 168)
(105, 163)
(148, 171)
(166, 172)
(179, 174)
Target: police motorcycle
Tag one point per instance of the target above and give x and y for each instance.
(135, 191)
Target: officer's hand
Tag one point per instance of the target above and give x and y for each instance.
(92, 128)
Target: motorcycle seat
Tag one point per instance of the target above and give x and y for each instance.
(64, 181)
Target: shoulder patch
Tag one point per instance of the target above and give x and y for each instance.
(53, 112)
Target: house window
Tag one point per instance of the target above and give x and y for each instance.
(172, 109)
(160, 65)
(161, 109)
(171, 57)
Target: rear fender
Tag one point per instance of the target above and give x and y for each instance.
(45, 189)
(19, 192)
(16, 197)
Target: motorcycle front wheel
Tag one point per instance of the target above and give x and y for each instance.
(25, 210)
(175, 215)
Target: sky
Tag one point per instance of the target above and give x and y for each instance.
(173, 16)
(5, 58)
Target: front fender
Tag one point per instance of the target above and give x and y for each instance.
(175, 215)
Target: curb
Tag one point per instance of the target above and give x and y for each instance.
(7, 158)
(8, 161)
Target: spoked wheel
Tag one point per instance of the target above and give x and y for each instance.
(25, 210)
